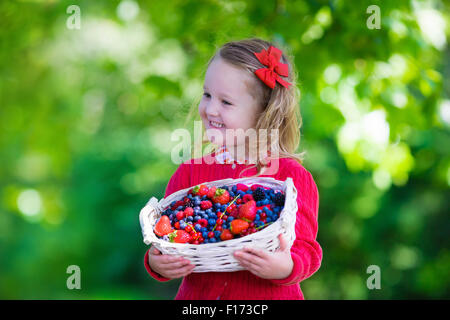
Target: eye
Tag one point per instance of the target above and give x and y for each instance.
(206, 95)
(226, 102)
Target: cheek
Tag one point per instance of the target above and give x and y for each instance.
(202, 110)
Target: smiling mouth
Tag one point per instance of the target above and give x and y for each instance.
(216, 124)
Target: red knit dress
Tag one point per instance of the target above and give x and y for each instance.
(243, 285)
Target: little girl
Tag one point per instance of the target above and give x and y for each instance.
(249, 84)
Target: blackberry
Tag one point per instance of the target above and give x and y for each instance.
(279, 199)
(259, 194)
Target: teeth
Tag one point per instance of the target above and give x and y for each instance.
(216, 124)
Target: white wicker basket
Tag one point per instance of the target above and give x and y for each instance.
(218, 257)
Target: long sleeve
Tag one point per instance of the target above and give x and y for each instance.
(306, 252)
(179, 180)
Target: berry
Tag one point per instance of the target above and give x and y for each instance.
(205, 205)
(203, 222)
(188, 212)
(180, 215)
(255, 186)
(241, 187)
(211, 234)
(247, 197)
(259, 194)
(238, 225)
(221, 196)
(179, 236)
(247, 211)
(200, 190)
(279, 199)
(163, 226)
(211, 192)
(226, 235)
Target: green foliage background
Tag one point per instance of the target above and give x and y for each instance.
(86, 117)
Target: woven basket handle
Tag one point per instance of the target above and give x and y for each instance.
(144, 215)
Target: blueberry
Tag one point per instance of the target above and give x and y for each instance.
(205, 240)
(180, 208)
(189, 196)
(190, 219)
(224, 207)
(197, 203)
(208, 211)
(249, 191)
(212, 240)
(217, 233)
(205, 234)
(204, 229)
(234, 189)
(230, 219)
(257, 217)
(212, 222)
(196, 218)
(205, 197)
(268, 220)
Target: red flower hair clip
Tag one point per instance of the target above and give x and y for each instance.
(275, 69)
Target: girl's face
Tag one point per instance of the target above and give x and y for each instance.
(226, 102)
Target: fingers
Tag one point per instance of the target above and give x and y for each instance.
(283, 244)
(248, 258)
(180, 272)
(153, 250)
(257, 252)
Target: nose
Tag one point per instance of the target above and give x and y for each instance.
(212, 109)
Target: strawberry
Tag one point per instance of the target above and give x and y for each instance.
(226, 235)
(179, 236)
(200, 190)
(238, 225)
(205, 204)
(221, 196)
(211, 192)
(247, 211)
(163, 226)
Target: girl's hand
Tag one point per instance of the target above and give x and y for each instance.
(267, 265)
(169, 266)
